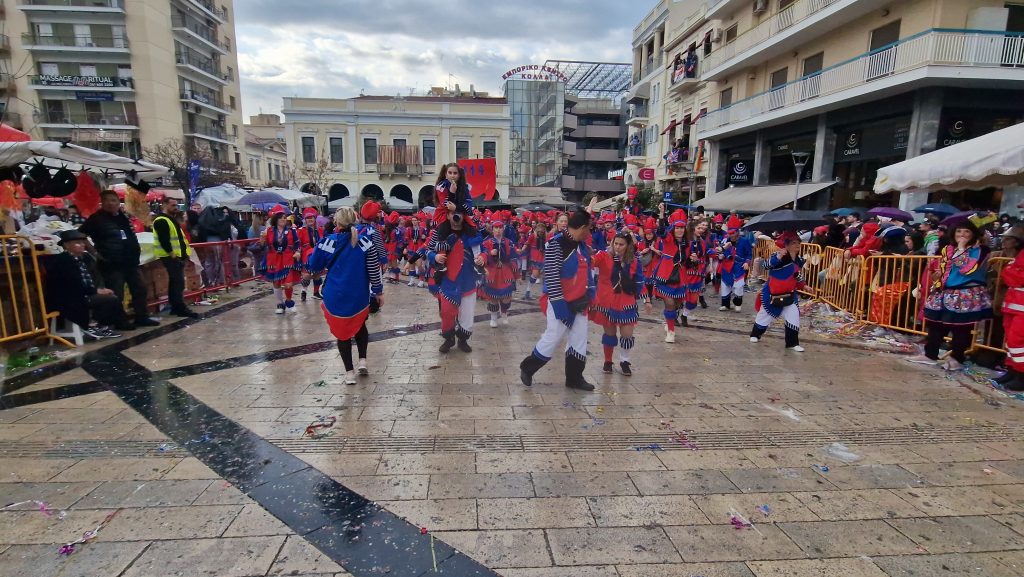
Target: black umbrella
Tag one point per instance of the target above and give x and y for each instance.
(537, 207)
(779, 220)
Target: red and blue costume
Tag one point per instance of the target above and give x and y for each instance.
(352, 278)
(618, 288)
(455, 282)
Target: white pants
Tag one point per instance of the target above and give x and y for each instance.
(467, 310)
(736, 289)
(575, 336)
(790, 315)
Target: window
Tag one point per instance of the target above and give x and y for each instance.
(779, 77)
(231, 102)
(429, 152)
(83, 35)
(117, 35)
(370, 151)
(725, 97)
(277, 172)
(783, 4)
(398, 142)
(337, 153)
(49, 69)
(87, 69)
(777, 96)
(730, 33)
(234, 130)
(461, 149)
(308, 149)
(811, 85)
(270, 168)
(490, 149)
(882, 61)
(230, 75)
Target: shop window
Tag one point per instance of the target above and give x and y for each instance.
(308, 150)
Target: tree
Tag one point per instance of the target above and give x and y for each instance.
(175, 154)
(312, 177)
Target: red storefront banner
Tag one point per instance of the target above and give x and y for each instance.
(481, 174)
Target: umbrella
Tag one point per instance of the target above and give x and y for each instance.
(978, 218)
(779, 220)
(262, 197)
(537, 207)
(843, 211)
(322, 221)
(893, 213)
(937, 208)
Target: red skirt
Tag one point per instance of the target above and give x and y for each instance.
(281, 268)
(344, 328)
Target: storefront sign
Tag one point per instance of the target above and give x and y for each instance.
(90, 81)
(92, 96)
(741, 171)
(535, 72)
(100, 135)
(887, 139)
(646, 174)
(954, 131)
(851, 144)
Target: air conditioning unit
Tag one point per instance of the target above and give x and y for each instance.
(716, 35)
(760, 6)
(184, 105)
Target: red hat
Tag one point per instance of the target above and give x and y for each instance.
(391, 218)
(631, 220)
(278, 209)
(651, 223)
(734, 222)
(310, 213)
(370, 210)
(821, 229)
(719, 219)
(677, 218)
(785, 238)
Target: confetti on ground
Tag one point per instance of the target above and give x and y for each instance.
(765, 510)
(841, 452)
(320, 384)
(822, 468)
(164, 447)
(652, 447)
(204, 439)
(788, 412)
(321, 424)
(832, 324)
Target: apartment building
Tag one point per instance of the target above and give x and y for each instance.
(122, 75)
(266, 150)
(391, 148)
(853, 84)
(645, 145)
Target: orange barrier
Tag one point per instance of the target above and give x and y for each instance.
(23, 312)
(896, 289)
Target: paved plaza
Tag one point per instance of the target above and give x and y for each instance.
(206, 448)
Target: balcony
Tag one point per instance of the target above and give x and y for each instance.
(61, 82)
(719, 8)
(637, 116)
(967, 58)
(596, 185)
(57, 119)
(647, 68)
(570, 122)
(682, 81)
(211, 101)
(5, 43)
(208, 8)
(601, 131)
(636, 154)
(600, 155)
(73, 43)
(213, 133)
(783, 32)
(203, 68)
(65, 6)
(206, 35)
(568, 148)
(399, 160)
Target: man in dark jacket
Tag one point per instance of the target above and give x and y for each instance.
(118, 248)
(75, 289)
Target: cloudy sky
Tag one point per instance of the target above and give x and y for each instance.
(338, 48)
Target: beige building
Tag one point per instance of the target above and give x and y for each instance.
(392, 147)
(266, 150)
(122, 75)
(893, 81)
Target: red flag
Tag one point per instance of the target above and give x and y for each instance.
(481, 175)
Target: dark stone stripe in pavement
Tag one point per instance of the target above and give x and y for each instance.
(354, 532)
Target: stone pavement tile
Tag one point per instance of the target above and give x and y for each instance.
(336, 464)
(32, 527)
(516, 399)
(287, 401)
(55, 495)
(600, 426)
(678, 410)
(848, 538)
(692, 482)
(222, 493)
(954, 565)
(499, 549)
(628, 460)
(144, 432)
(481, 413)
(84, 431)
(582, 571)
(1012, 493)
(665, 426)
(94, 559)
(190, 468)
(388, 488)
(858, 504)
(646, 511)
(239, 557)
(611, 546)
(522, 463)
(17, 413)
(961, 474)
(711, 543)
(534, 513)
(1014, 468)
(623, 412)
(777, 480)
(817, 568)
(480, 485)
(755, 424)
(1013, 449)
(953, 501)
(429, 428)
(148, 468)
(1012, 559)
(255, 521)
(430, 400)
(873, 477)
(399, 414)
(436, 514)
(686, 570)
(298, 556)
(523, 427)
(169, 523)
(1015, 522)
(954, 452)
(116, 494)
(715, 459)
(959, 534)
(426, 463)
(582, 484)
(802, 457)
(781, 507)
(17, 431)
(569, 411)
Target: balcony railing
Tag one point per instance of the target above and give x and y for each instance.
(637, 112)
(955, 48)
(211, 131)
(636, 150)
(93, 118)
(647, 68)
(686, 74)
(402, 160)
(793, 14)
(202, 98)
(205, 64)
(211, 8)
(74, 3)
(70, 81)
(74, 41)
(201, 30)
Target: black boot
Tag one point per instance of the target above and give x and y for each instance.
(737, 303)
(464, 340)
(703, 303)
(684, 320)
(529, 367)
(757, 332)
(1007, 377)
(574, 372)
(449, 341)
(793, 339)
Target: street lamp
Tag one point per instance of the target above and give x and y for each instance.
(799, 162)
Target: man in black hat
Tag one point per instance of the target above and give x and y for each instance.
(76, 290)
(115, 241)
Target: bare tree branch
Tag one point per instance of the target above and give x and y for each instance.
(174, 153)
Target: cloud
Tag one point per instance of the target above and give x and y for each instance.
(329, 49)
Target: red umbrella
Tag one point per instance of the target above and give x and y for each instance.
(10, 134)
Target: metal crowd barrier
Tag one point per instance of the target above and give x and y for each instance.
(23, 312)
(219, 268)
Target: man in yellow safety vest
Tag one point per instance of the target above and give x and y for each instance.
(172, 249)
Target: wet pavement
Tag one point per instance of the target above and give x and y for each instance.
(229, 446)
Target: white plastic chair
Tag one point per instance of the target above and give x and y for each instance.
(74, 332)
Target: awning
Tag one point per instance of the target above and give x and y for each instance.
(758, 198)
(56, 155)
(995, 159)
